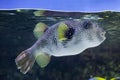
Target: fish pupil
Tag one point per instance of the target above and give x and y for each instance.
(69, 33)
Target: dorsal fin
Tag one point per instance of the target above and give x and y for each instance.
(62, 28)
(39, 29)
(39, 13)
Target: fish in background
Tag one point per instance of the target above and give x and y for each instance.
(64, 38)
(116, 78)
(97, 78)
(101, 78)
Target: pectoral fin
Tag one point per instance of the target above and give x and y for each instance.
(62, 28)
(39, 29)
(42, 59)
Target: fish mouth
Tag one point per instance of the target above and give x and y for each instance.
(103, 35)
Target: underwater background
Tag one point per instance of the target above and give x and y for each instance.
(16, 35)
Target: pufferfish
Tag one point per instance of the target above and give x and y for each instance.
(64, 38)
(101, 78)
(97, 78)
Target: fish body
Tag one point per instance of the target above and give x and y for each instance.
(62, 39)
(50, 43)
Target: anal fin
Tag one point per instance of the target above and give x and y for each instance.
(42, 59)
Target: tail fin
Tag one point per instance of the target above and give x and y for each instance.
(24, 61)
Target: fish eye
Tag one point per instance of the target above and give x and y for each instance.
(69, 33)
(87, 24)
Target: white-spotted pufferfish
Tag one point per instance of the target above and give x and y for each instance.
(62, 39)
